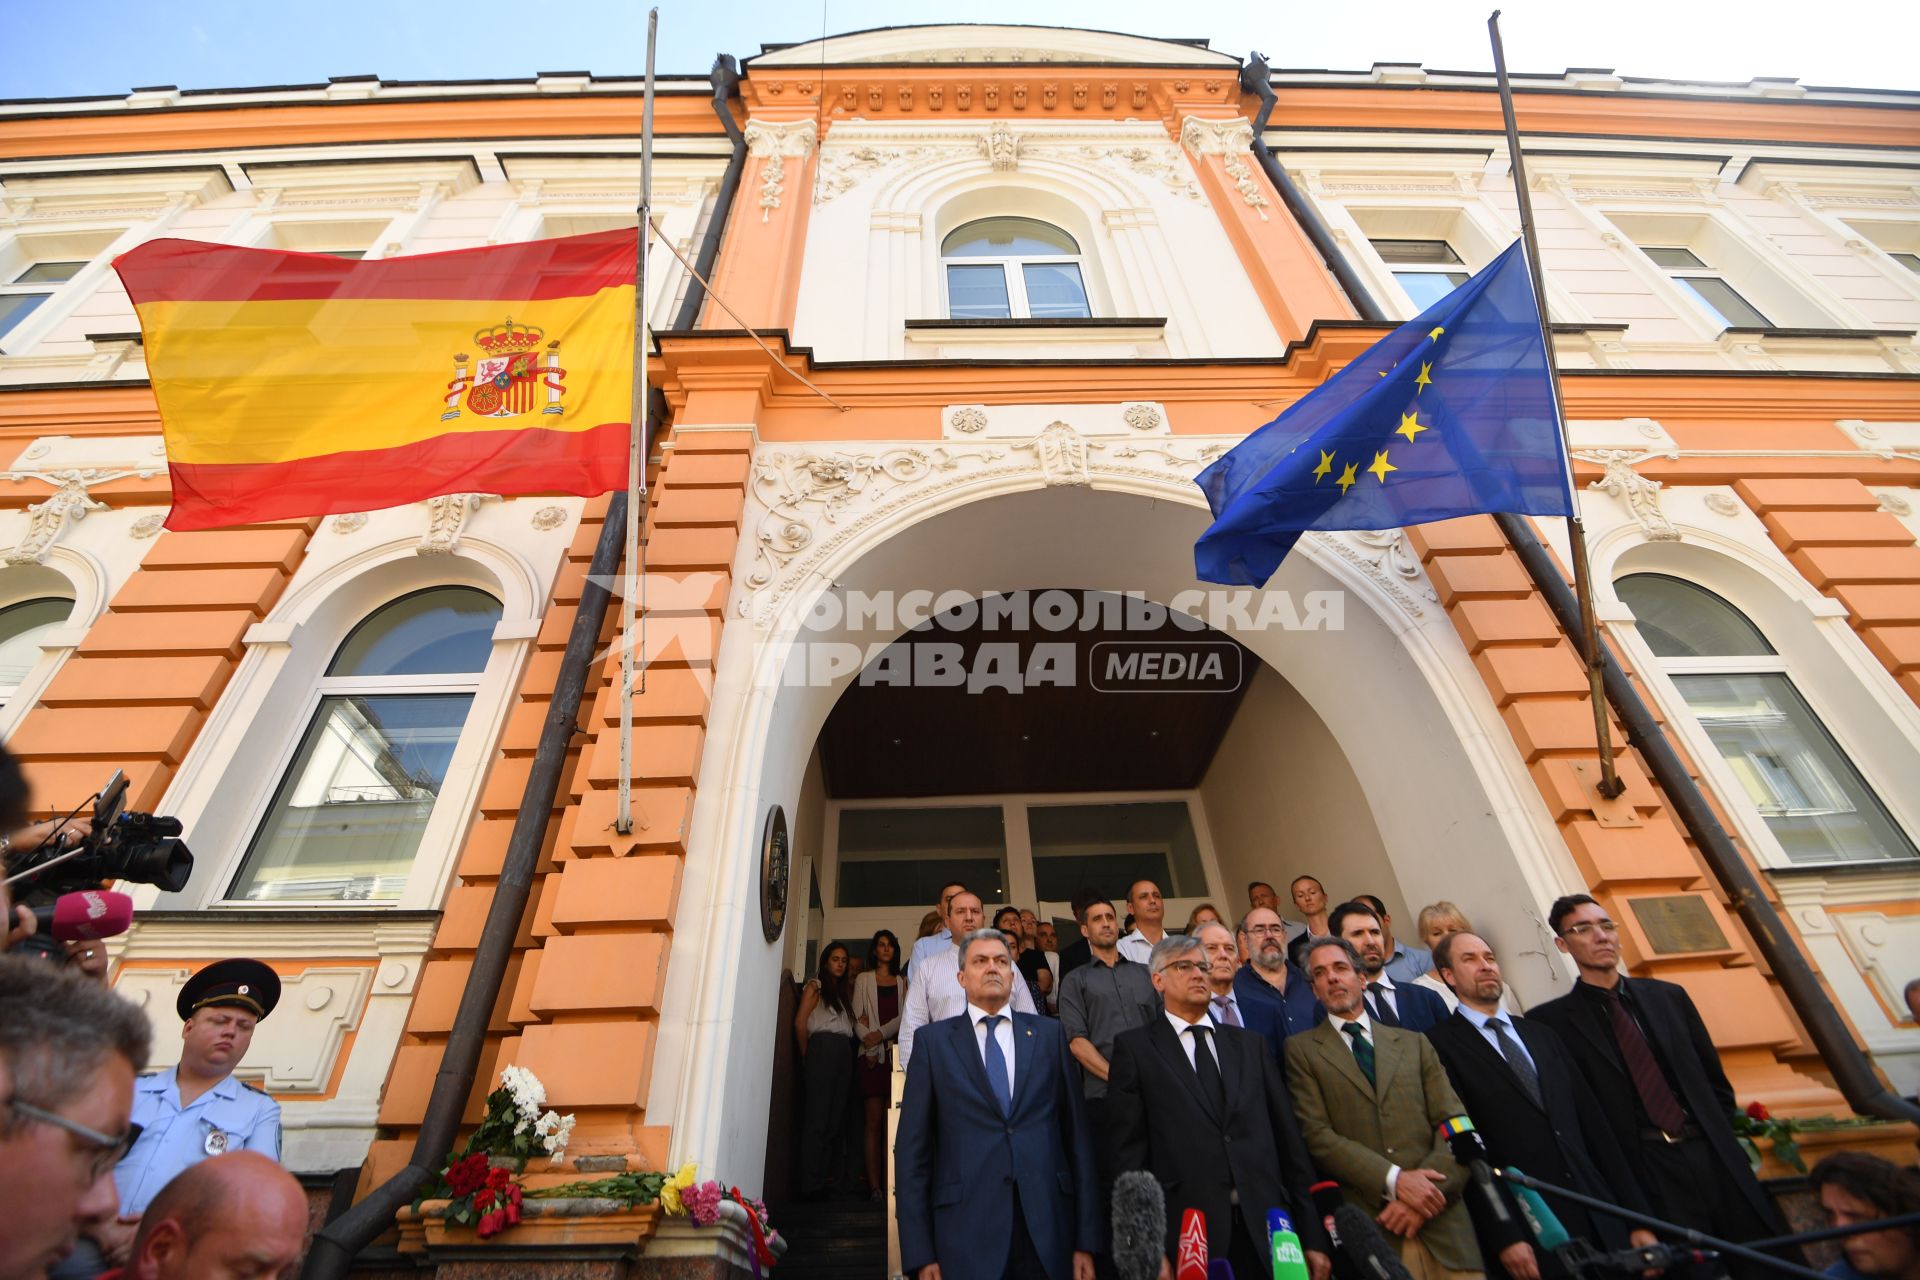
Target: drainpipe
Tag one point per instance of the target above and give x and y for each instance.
(1255, 78)
(335, 1244)
(726, 82)
(1851, 1070)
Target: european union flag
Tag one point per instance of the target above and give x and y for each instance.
(1449, 415)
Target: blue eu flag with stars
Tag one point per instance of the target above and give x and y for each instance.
(1449, 415)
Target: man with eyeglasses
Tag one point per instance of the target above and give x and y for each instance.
(1647, 1056)
(1274, 997)
(1200, 1103)
(69, 1050)
(197, 1109)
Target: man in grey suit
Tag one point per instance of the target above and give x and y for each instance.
(1369, 1098)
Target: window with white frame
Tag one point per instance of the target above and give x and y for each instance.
(22, 295)
(1810, 795)
(22, 627)
(1911, 261)
(1013, 268)
(1428, 270)
(1707, 287)
(346, 820)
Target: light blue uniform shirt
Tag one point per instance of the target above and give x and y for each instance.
(173, 1137)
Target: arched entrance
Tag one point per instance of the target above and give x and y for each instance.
(1362, 748)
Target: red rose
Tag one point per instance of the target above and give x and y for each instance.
(513, 1212)
(499, 1178)
(467, 1176)
(1758, 1111)
(491, 1224)
(483, 1199)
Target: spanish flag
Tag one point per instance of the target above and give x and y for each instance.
(300, 384)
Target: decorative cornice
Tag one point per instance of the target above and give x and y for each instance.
(1206, 137)
(781, 137)
(68, 505)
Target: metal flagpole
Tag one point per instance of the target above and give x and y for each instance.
(1591, 653)
(637, 443)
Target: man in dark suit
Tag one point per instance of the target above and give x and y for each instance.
(1369, 1099)
(1531, 1105)
(1216, 1130)
(1391, 1004)
(1652, 1066)
(993, 1163)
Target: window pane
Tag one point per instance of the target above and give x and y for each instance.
(1109, 846)
(49, 273)
(444, 630)
(1911, 261)
(1007, 238)
(21, 626)
(1398, 252)
(977, 293)
(1813, 799)
(348, 818)
(15, 307)
(1680, 620)
(1054, 290)
(1428, 287)
(1674, 258)
(902, 857)
(1730, 308)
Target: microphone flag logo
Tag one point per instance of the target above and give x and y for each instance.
(1193, 1246)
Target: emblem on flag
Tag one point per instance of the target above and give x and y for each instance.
(507, 380)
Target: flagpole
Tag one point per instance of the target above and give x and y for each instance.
(1591, 653)
(637, 443)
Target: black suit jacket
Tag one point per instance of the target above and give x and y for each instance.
(1162, 1122)
(1680, 1039)
(1566, 1141)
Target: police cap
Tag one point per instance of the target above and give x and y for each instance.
(238, 983)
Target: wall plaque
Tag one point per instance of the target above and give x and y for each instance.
(1678, 924)
(775, 866)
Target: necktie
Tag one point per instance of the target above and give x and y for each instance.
(997, 1066)
(1362, 1049)
(1655, 1094)
(1225, 1010)
(1380, 1007)
(1206, 1068)
(1517, 1059)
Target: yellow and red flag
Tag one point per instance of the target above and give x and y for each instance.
(300, 384)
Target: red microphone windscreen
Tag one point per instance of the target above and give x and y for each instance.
(94, 914)
(1193, 1246)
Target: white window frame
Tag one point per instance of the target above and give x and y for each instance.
(1705, 271)
(1010, 265)
(1399, 270)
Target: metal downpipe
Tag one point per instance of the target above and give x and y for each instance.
(1851, 1070)
(725, 77)
(334, 1245)
(1254, 78)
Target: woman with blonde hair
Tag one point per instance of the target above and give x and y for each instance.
(1435, 921)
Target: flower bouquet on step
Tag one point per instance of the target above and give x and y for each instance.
(478, 1181)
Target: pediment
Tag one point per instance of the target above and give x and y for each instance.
(971, 43)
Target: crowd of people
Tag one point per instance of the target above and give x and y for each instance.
(1240, 1061)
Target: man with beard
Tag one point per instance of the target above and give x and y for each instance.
(1388, 1003)
(1531, 1105)
(1274, 998)
(1107, 995)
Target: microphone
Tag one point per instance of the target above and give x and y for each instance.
(85, 917)
(1358, 1251)
(1283, 1244)
(1192, 1263)
(1582, 1259)
(1547, 1227)
(1469, 1151)
(1219, 1269)
(1139, 1220)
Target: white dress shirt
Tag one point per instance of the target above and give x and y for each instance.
(1136, 948)
(1484, 1024)
(931, 945)
(1002, 1033)
(1339, 1023)
(934, 992)
(1183, 1031)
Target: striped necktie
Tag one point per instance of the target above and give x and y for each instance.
(1362, 1049)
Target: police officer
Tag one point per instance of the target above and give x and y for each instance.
(197, 1109)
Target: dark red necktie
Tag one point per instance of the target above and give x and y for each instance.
(1655, 1094)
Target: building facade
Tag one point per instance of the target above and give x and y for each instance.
(984, 302)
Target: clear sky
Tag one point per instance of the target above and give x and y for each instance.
(65, 48)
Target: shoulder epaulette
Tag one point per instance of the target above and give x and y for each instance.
(248, 1084)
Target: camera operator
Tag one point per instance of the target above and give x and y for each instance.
(68, 1054)
(197, 1109)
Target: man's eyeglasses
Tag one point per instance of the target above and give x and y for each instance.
(1187, 966)
(1266, 930)
(1586, 927)
(108, 1150)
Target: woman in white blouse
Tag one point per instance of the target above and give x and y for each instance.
(824, 1025)
(879, 993)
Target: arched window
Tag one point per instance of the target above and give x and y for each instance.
(1812, 798)
(22, 626)
(1013, 268)
(349, 812)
